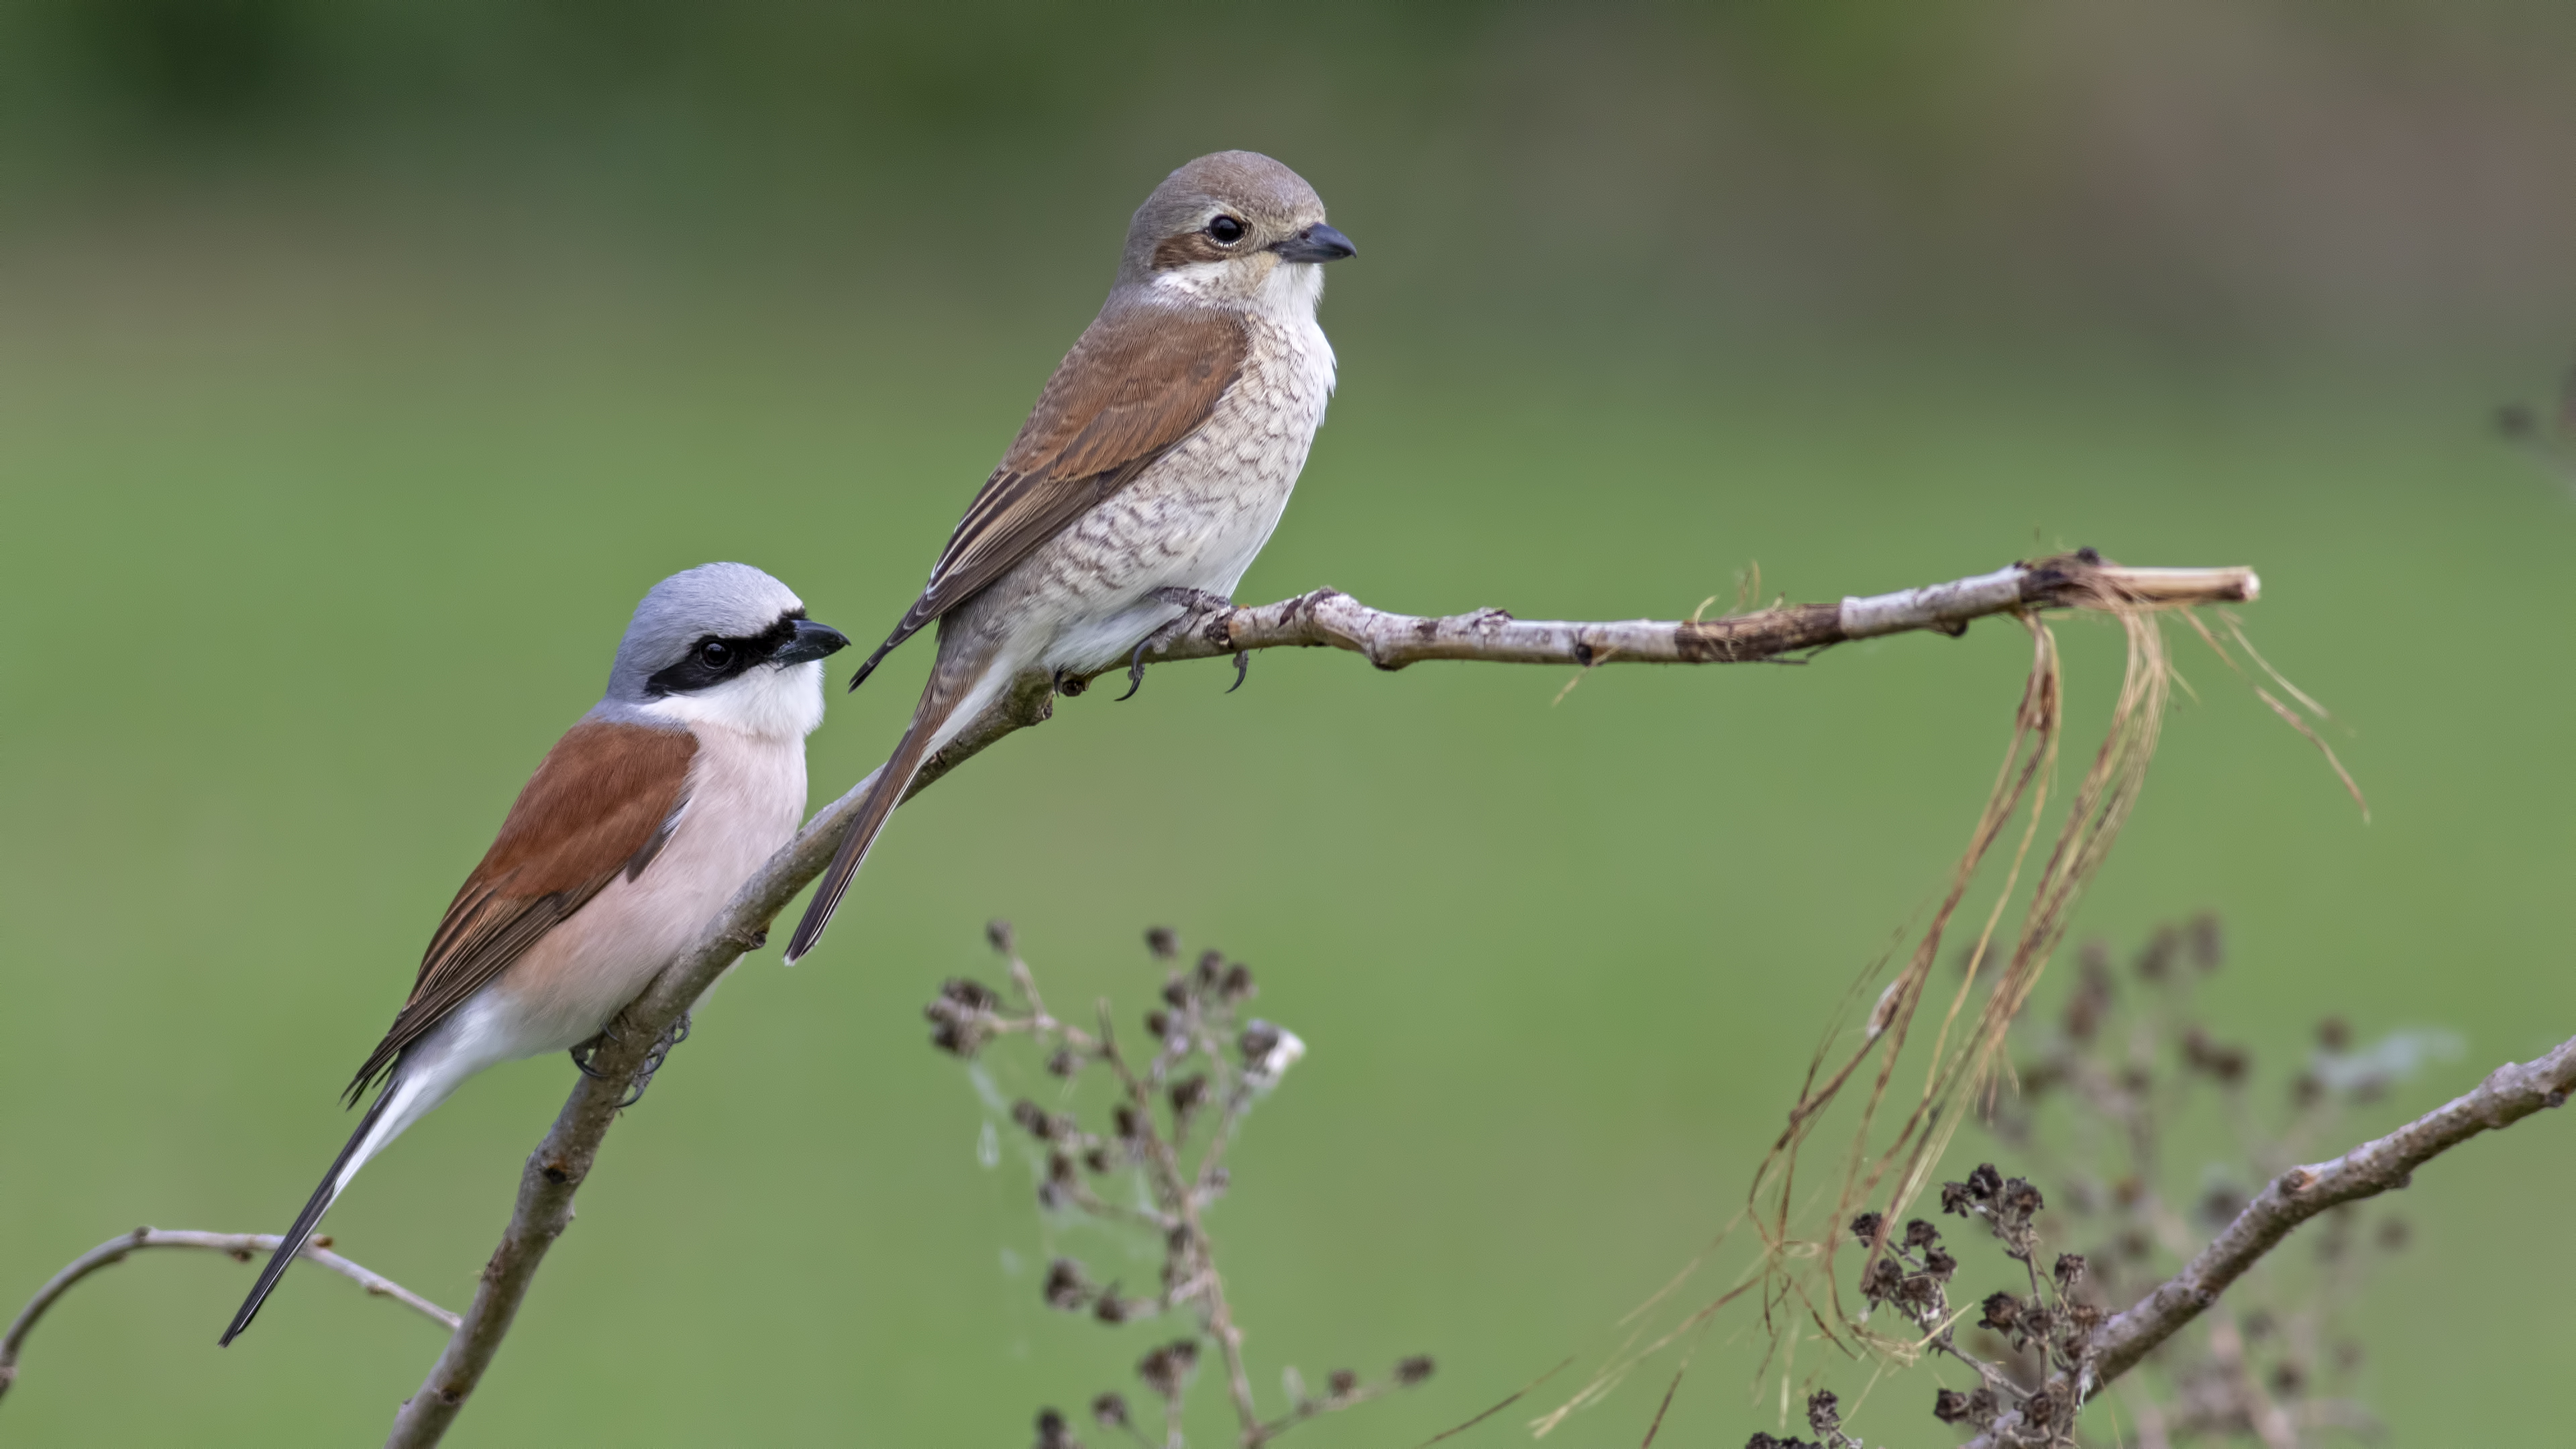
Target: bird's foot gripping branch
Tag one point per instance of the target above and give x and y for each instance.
(1212, 629)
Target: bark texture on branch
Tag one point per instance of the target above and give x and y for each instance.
(1328, 617)
(2510, 1093)
(1213, 629)
(241, 1247)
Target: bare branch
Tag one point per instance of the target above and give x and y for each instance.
(1324, 618)
(240, 1247)
(1328, 617)
(2509, 1094)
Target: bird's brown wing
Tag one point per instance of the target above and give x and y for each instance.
(604, 801)
(1140, 380)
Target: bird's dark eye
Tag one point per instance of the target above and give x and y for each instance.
(1226, 230)
(715, 654)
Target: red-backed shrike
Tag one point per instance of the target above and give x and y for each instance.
(1155, 465)
(636, 830)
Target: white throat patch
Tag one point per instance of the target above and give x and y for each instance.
(1291, 291)
(764, 700)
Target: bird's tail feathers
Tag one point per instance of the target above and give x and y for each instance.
(342, 1168)
(940, 702)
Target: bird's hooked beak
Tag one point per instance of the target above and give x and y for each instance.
(1317, 243)
(811, 641)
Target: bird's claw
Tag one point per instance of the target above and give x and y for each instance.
(653, 1060)
(1192, 602)
(1136, 667)
(1242, 662)
(583, 1054)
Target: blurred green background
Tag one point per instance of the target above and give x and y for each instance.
(361, 363)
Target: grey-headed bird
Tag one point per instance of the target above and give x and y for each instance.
(1155, 464)
(635, 831)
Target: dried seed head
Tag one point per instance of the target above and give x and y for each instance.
(1065, 1288)
(967, 992)
(1188, 1094)
(2288, 1379)
(1127, 1123)
(1109, 1411)
(1824, 1415)
(1211, 969)
(1157, 1025)
(2225, 1063)
(2003, 1313)
(1033, 1119)
(1060, 1169)
(2208, 945)
(1063, 1062)
(2019, 1198)
(1865, 1228)
(998, 932)
(1176, 992)
(2156, 958)
(1164, 942)
(1921, 1234)
(1160, 1371)
(1985, 1182)
(1281, 1050)
(2334, 1034)
(1237, 983)
(1919, 1294)
(1983, 1407)
(2068, 1271)
(1882, 1280)
(1110, 1308)
(1341, 1383)
(2040, 1407)
(1950, 1406)
(2091, 1000)
(1411, 1371)
(1940, 1264)
(1096, 1158)
(1259, 1040)
(1052, 1433)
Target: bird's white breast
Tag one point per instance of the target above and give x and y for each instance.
(746, 793)
(1201, 513)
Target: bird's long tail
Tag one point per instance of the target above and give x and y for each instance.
(345, 1166)
(939, 703)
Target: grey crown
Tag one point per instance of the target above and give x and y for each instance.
(727, 600)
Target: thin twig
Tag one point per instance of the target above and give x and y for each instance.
(555, 1171)
(2509, 1094)
(240, 1247)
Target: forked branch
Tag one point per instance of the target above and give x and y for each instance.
(2509, 1094)
(241, 1247)
(1214, 629)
